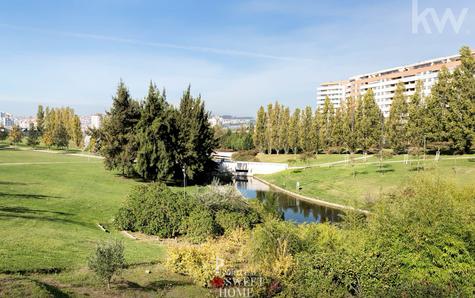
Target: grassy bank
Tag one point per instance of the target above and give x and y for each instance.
(360, 183)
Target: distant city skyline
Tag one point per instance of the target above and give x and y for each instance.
(237, 54)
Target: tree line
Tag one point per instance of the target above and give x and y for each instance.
(155, 140)
(442, 121)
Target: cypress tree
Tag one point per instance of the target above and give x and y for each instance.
(259, 135)
(326, 124)
(119, 146)
(305, 130)
(284, 130)
(368, 122)
(415, 125)
(294, 131)
(157, 136)
(397, 121)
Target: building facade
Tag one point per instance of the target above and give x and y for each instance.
(384, 82)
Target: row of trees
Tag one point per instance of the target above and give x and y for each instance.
(155, 140)
(56, 127)
(445, 120)
(234, 140)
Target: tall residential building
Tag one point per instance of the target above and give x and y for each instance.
(384, 82)
(6, 120)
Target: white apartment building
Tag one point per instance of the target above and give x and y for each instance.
(384, 82)
(6, 120)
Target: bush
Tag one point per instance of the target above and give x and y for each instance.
(155, 210)
(107, 260)
(231, 220)
(246, 155)
(199, 225)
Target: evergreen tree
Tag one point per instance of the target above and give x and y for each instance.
(15, 134)
(33, 136)
(119, 144)
(305, 130)
(284, 130)
(397, 121)
(315, 132)
(259, 136)
(294, 131)
(275, 124)
(349, 124)
(369, 121)
(60, 135)
(338, 127)
(415, 125)
(461, 106)
(40, 119)
(326, 124)
(196, 139)
(157, 138)
(435, 114)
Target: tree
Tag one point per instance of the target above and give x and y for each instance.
(3, 133)
(294, 131)
(349, 124)
(107, 260)
(40, 119)
(397, 121)
(415, 125)
(259, 136)
(305, 130)
(269, 128)
(326, 124)
(461, 105)
(338, 127)
(315, 132)
(275, 124)
(119, 146)
(196, 139)
(76, 131)
(368, 122)
(15, 135)
(157, 136)
(435, 114)
(60, 135)
(33, 136)
(284, 130)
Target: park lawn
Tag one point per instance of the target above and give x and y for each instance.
(50, 205)
(361, 183)
(296, 159)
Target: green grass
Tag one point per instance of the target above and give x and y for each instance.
(363, 182)
(296, 159)
(50, 205)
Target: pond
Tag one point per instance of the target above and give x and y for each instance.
(293, 209)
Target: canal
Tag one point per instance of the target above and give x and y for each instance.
(293, 209)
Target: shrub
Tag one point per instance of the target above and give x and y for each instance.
(247, 155)
(154, 209)
(231, 220)
(199, 225)
(107, 260)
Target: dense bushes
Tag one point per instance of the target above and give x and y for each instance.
(246, 155)
(418, 242)
(156, 209)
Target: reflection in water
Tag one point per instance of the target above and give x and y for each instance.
(294, 210)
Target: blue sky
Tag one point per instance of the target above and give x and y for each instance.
(237, 54)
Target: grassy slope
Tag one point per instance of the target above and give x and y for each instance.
(338, 184)
(49, 212)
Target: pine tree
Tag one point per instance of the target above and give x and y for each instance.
(415, 125)
(461, 105)
(369, 121)
(284, 130)
(294, 131)
(305, 130)
(40, 119)
(33, 136)
(157, 136)
(15, 134)
(326, 124)
(397, 122)
(119, 144)
(259, 136)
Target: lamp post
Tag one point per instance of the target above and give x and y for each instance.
(184, 181)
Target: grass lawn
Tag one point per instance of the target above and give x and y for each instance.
(355, 185)
(296, 159)
(50, 205)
